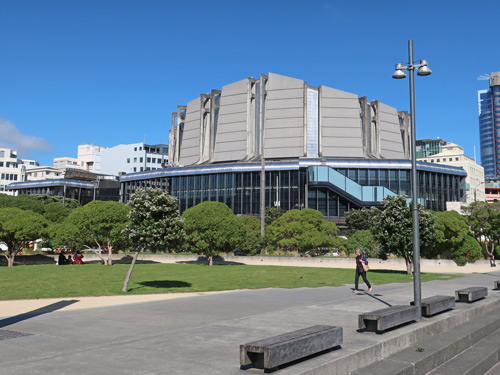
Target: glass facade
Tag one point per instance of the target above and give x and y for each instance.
(330, 190)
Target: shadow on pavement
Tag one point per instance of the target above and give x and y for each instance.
(31, 314)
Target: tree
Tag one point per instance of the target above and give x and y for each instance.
(360, 220)
(97, 225)
(393, 228)
(484, 221)
(211, 227)
(302, 231)
(155, 224)
(251, 241)
(452, 233)
(17, 228)
(364, 240)
(272, 213)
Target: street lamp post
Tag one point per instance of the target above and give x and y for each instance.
(423, 70)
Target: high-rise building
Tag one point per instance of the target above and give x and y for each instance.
(489, 126)
(10, 169)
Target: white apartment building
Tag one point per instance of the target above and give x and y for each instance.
(27, 163)
(89, 157)
(135, 157)
(453, 154)
(43, 173)
(67, 162)
(10, 169)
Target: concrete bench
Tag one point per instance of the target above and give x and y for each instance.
(278, 350)
(436, 304)
(471, 294)
(383, 319)
(497, 284)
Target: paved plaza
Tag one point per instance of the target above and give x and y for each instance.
(201, 333)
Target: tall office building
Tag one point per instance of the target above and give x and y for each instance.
(489, 127)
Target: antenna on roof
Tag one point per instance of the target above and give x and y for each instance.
(483, 77)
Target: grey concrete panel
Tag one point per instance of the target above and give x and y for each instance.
(232, 122)
(285, 94)
(391, 144)
(235, 107)
(285, 113)
(190, 149)
(329, 92)
(233, 99)
(278, 133)
(279, 82)
(340, 102)
(338, 132)
(235, 88)
(340, 112)
(284, 123)
(344, 152)
(340, 124)
(284, 103)
(231, 118)
(343, 142)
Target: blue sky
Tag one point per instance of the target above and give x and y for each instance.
(108, 72)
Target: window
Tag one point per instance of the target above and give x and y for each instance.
(438, 160)
(450, 159)
(141, 160)
(128, 160)
(135, 148)
(432, 160)
(135, 169)
(456, 159)
(135, 160)
(148, 160)
(153, 160)
(140, 148)
(142, 169)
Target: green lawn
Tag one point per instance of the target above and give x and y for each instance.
(46, 281)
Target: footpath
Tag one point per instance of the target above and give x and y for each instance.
(200, 333)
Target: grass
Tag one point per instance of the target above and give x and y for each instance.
(52, 281)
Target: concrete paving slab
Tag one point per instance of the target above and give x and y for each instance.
(201, 334)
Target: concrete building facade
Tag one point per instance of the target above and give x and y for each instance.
(11, 169)
(452, 154)
(323, 148)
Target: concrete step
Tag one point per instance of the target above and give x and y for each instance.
(477, 360)
(494, 370)
(426, 355)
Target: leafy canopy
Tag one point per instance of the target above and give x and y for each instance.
(301, 231)
(211, 227)
(393, 228)
(155, 223)
(17, 228)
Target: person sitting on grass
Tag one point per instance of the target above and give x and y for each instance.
(78, 258)
(61, 260)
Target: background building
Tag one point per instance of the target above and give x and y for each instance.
(489, 126)
(442, 152)
(135, 157)
(10, 169)
(324, 148)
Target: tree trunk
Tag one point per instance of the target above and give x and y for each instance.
(210, 261)
(132, 265)
(409, 266)
(10, 260)
(110, 252)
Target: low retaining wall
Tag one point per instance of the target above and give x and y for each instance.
(426, 265)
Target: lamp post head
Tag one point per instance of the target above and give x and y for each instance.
(424, 69)
(399, 73)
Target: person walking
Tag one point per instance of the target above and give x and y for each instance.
(360, 260)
